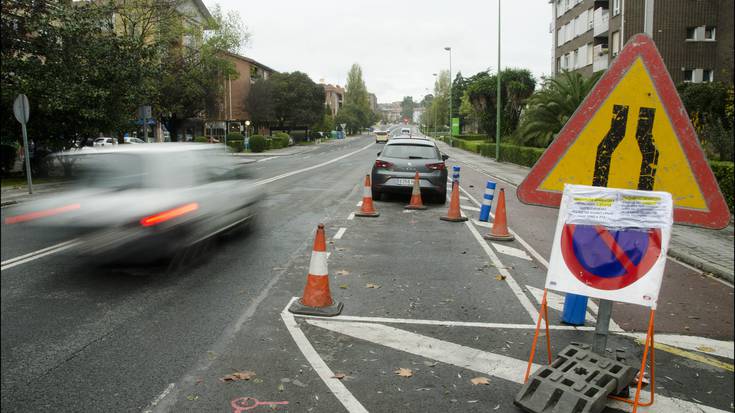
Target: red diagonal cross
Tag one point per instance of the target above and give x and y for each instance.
(620, 254)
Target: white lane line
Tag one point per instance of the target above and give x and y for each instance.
(469, 208)
(556, 302)
(160, 397)
(463, 198)
(513, 252)
(298, 171)
(485, 362)
(266, 159)
(38, 254)
(320, 367)
(482, 224)
(351, 216)
(525, 302)
(359, 204)
(339, 233)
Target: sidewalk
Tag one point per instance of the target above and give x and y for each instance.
(293, 150)
(709, 250)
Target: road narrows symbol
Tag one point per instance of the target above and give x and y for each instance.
(647, 146)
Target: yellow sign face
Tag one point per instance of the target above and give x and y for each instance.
(630, 124)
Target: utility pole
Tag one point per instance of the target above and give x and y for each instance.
(449, 49)
(498, 102)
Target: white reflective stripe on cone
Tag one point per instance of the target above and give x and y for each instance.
(367, 192)
(318, 264)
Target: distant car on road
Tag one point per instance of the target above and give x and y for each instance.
(133, 140)
(138, 203)
(381, 136)
(406, 131)
(401, 158)
(102, 141)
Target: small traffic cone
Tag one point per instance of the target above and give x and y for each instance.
(317, 299)
(454, 214)
(367, 209)
(416, 202)
(500, 224)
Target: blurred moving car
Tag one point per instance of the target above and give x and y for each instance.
(406, 131)
(397, 164)
(138, 203)
(381, 136)
(102, 141)
(133, 140)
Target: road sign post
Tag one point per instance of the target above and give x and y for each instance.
(21, 110)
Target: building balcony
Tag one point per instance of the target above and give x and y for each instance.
(600, 58)
(601, 22)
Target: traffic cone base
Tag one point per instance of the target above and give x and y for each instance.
(330, 311)
(491, 237)
(416, 202)
(454, 214)
(367, 209)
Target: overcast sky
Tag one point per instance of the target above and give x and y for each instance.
(398, 43)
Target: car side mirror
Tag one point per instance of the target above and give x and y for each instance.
(445, 157)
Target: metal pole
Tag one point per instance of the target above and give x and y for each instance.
(28, 158)
(497, 104)
(450, 95)
(599, 341)
(647, 18)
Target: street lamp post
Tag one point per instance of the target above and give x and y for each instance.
(247, 141)
(435, 129)
(449, 49)
(497, 109)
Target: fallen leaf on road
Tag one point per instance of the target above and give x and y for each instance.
(192, 397)
(339, 376)
(500, 277)
(343, 272)
(404, 372)
(280, 387)
(239, 375)
(343, 286)
(480, 380)
(371, 285)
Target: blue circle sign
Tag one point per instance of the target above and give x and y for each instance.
(609, 259)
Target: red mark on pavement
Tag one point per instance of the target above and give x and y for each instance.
(241, 404)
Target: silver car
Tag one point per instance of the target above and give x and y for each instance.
(398, 162)
(137, 203)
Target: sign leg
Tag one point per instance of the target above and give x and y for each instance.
(28, 158)
(599, 342)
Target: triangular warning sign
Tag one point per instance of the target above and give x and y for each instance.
(631, 131)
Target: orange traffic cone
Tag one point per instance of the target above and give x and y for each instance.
(454, 215)
(416, 202)
(367, 209)
(500, 224)
(317, 299)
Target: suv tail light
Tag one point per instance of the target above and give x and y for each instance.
(383, 164)
(168, 215)
(436, 166)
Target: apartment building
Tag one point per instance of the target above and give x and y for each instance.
(694, 37)
(333, 96)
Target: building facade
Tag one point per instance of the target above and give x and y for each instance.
(231, 110)
(694, 37)
(334, 96)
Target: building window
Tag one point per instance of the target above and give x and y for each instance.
(691, 33)
(590, 19)
(559, 8)
(688, 75)
(709, 33)
(575, 60)
(615, 43)
(616, 7)
(560, 36)
(590, 51)
(708, 75)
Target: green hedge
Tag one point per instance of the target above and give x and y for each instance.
(236, 145)
(257, 143)
(475, 137)
(724, 173)
(278, 140)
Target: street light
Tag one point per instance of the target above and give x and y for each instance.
(247, 125)
(449, 49)
(497, 100)
(435, 131)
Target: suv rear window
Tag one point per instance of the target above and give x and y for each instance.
(410, 152)
(381, 133)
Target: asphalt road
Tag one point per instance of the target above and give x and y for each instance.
(419, 293)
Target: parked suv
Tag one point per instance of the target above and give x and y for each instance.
(104, 142)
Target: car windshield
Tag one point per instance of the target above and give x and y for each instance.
(410, 152)
(112, 171)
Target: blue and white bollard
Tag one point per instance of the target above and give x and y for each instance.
(487, 201)
(455, 173)
(575, 309)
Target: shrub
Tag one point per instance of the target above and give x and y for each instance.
(279, 140)
(724, 173)
(257, 143)
(201, 139)
(237, 146)
(234, 136)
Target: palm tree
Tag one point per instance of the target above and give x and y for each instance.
(549, 109)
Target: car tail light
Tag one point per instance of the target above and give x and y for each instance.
(168, 215)
(41, 214)
(383, 164)
(436, 166)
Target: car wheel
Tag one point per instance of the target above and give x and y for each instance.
(377, 195)
(441, 198)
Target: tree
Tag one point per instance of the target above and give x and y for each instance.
(356, 108)
(260, 102)
(710, 107)
(407, 107)
(436, 114)
(516, 86)
(549, 108)
(298, 101)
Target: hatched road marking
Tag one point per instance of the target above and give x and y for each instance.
(513, 252)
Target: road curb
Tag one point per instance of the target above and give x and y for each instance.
(696, 262)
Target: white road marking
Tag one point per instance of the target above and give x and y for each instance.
(266, 159)
(351, 216)
(359, 204)
(469, 208)
(31, 256)
(320, 367)
(556, 302)
(482, 223)
(339, 233)
(463, 198)
(498, 365)
(701, 344)
(160, 397)
(513, 252)
(525, 302)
